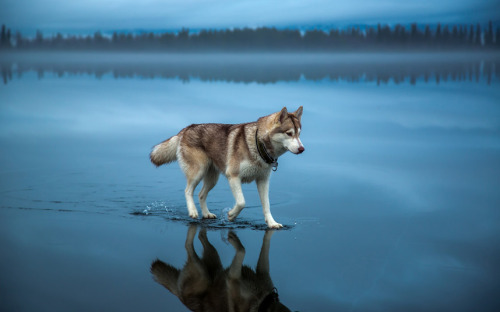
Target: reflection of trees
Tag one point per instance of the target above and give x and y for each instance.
(382, 37)
(260, 68)
(6, 72)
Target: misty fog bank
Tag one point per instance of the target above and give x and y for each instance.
(368, 56)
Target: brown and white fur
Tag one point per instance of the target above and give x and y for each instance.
(206, 150)
(203, 284)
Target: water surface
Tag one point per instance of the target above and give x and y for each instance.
(393, 206)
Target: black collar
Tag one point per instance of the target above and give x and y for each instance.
(264, 154)
(270, 298)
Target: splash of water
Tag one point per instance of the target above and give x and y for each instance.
(224, 217)
(157, 207)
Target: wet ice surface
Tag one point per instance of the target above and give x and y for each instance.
(178, 214)
(393, 206)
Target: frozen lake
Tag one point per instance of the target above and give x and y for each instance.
(394, 205)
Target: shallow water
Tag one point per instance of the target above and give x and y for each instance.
(393, 205)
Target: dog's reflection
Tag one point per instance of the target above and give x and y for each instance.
(204, 285)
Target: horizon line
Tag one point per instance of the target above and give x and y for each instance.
(195, 30)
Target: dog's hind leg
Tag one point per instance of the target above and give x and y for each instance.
(194, 163)
(194, 276)
(209, 182)
(192, 182)
(189, 244)
(210, 257)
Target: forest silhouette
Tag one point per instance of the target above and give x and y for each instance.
(413, 37)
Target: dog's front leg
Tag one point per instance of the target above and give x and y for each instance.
(237, 263)
(235, 184)
(234, 276)
(263, 262)
(263, 188)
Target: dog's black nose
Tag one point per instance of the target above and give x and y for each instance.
(301, 149)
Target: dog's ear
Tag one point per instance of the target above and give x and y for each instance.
(282, 115)
(298, 113)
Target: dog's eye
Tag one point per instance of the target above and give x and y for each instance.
(289, 134)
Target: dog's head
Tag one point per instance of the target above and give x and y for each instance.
(286, 130)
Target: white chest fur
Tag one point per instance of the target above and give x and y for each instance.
(250, 171)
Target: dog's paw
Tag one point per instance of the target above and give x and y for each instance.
(230, 216)
(193, 214)
(274, 225)
(209, 216)
(235, 241)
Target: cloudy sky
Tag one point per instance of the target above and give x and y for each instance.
(65, 16)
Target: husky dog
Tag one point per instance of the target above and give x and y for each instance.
(242, 152)
(204, 285)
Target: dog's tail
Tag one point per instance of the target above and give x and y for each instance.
(165, 152)
(166, 275)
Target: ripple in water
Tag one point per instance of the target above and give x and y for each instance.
(178, 213)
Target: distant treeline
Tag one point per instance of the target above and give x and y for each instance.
(381, 37)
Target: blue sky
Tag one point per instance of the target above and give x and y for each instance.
(65, 16)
